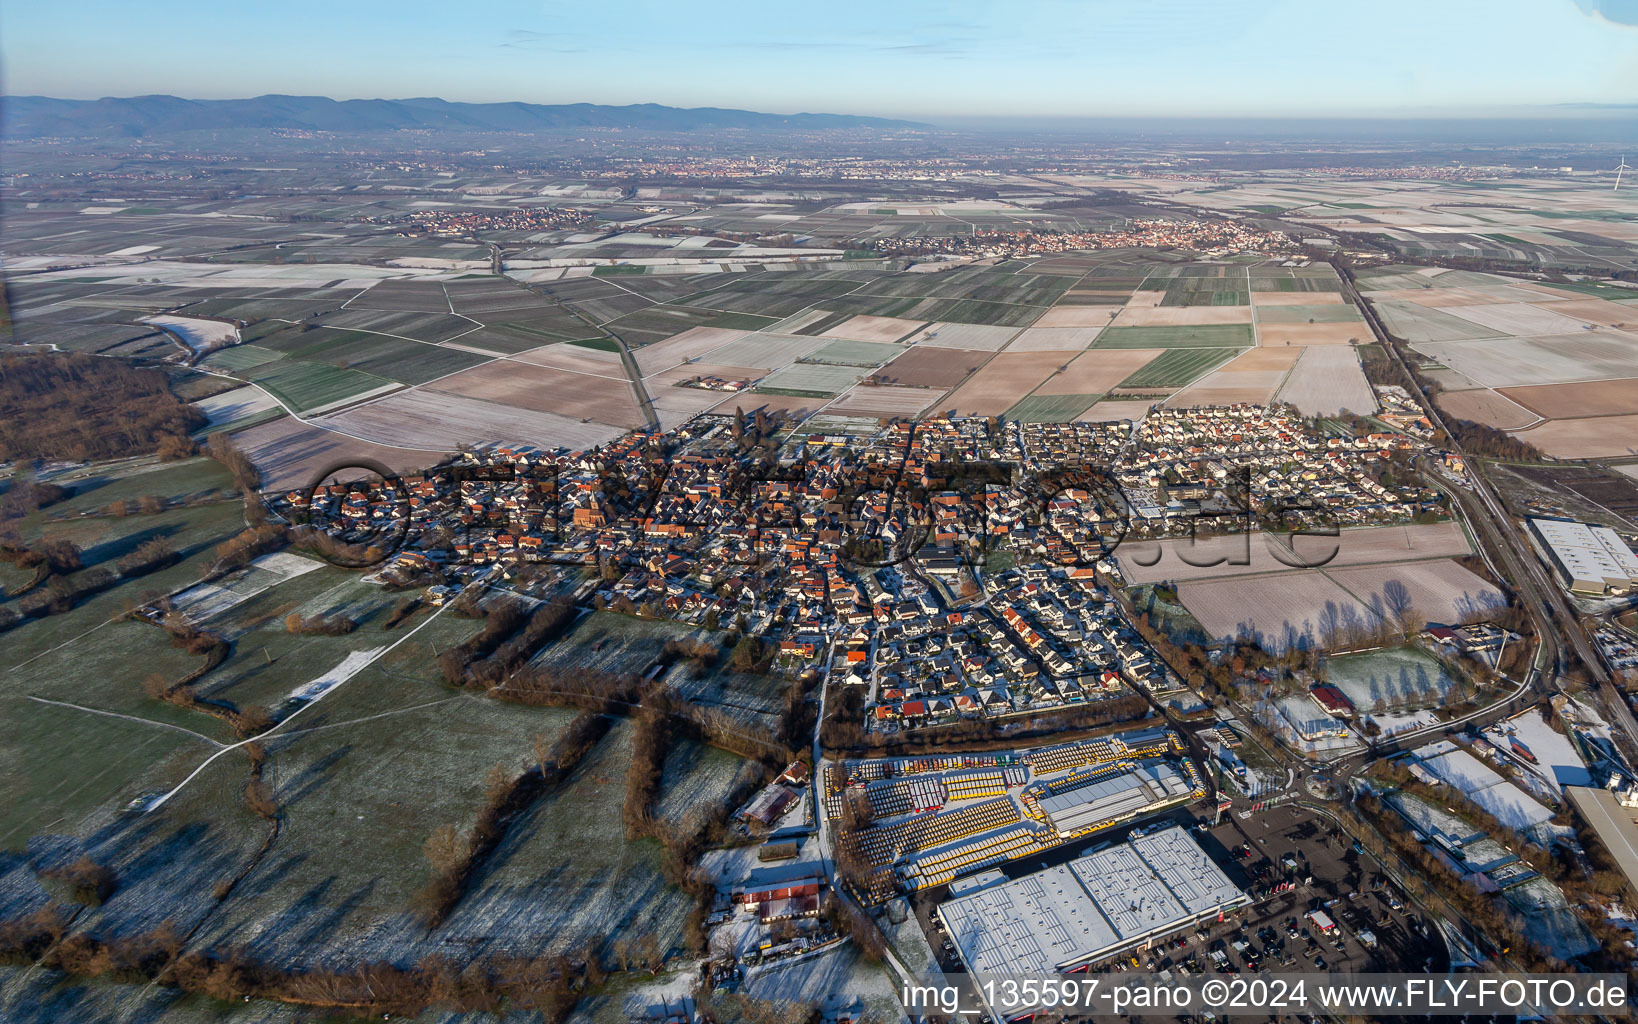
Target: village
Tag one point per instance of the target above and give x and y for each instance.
(945, 570)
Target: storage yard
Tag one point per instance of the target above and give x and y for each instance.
(935, 819)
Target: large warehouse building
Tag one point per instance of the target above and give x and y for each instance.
(1076, 913)
(1588, 559)
(1113, 798)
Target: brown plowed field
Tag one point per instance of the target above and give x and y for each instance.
(874, 328)
(1096, 371)
(1578, 401)
(1596, 438)
(575, 395)
(933, 367)
(1277, 335)
(1485, 406)
(1001, 382)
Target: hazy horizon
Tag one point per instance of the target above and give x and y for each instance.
(1046, 59)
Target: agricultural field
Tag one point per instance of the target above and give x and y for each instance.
(764, 350)
(1328, 380)
(1576, 401)
(520, 333)
(1299, 608)
(539, 389)
(811, 378)
(1485, 406)
(576, 359)
(417, 296)
(1328, 314)
(1204, 336)
(1175, 367)
(1340, 333)
(854, 353)
(1173, 316)
(1039, 408)
(690, 344)
(1423, 324)
(1054, 339)
(197, 333)
(1439, 589)
(408, 362)
(1099, 371)
(1512, 362)
(875, 329)
(1240, 554)
(1000, 383)
(288, 453)
(1079, 316)
(885, 400)
(429, 420)
(433, 328)
(972, 337)
(237, 404)
(931, 367)
(1515, 353)
(1598, 438)
(311, 387)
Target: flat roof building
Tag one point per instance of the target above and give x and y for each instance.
(1089, 908)
(1615, 825)
(1112, 799)
(1588, 559)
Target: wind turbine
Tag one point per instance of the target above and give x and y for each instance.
(1622, 166)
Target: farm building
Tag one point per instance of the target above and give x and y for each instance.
(766, 807)
(782, 891)
(1588, 559)
(1072, 914)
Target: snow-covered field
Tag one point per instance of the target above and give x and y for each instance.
(236, 404)
(1480, 784)
(1393, 725)
(350, 666)
(200, 335)
(1556, 761)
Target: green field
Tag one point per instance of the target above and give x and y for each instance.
(304, 385)
(516, 336)
(1207, 336)
(408, 362)
(1050, 408)
(240, 357)
(1216, 294)
(1177, 367)
(668, 320)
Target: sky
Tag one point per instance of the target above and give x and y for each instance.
(897, 58)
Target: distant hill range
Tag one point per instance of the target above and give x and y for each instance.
(25, 117)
